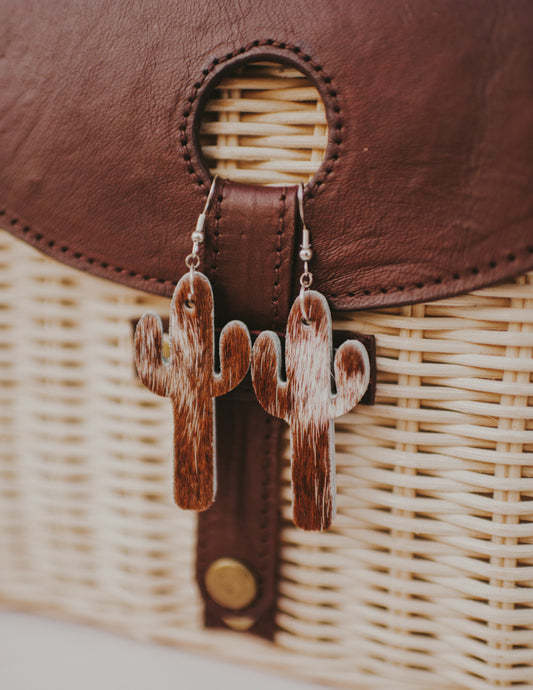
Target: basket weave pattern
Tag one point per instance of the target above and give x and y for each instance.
(426, 578)
(265, 124)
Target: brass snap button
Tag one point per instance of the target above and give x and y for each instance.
(231, 584)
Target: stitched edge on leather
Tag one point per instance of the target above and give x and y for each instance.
(510, 258)
(409, 291)
(216, 233)
(277, 267)
(315, 72)
(48, 245)
(38, 239)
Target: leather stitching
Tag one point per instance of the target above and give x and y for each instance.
(333, 110)
(216, 232)
(473, 271)
(277, 266)
(39, 239)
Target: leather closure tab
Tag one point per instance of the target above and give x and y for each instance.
(243, 523)
(249, 253)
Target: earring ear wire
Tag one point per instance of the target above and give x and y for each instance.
(305, 254)
(192, 261)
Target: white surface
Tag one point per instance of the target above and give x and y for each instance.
(49, 655)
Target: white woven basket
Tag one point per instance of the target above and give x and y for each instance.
(425, 579)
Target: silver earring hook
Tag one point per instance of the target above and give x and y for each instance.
(193, 260)
(305, 254)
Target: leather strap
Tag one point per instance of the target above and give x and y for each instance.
(243, 523)
(248, 253)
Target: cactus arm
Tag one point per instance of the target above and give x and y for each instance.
(235, 352)
(153, 372)
(352, 375)
(271, 391)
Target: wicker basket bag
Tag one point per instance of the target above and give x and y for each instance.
(426, 577)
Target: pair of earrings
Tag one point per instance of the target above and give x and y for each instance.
(304, 398)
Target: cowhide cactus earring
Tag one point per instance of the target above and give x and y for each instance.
(304, 398)
(188, 377)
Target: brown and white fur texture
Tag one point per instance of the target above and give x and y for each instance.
(306, 402)
(187, 377)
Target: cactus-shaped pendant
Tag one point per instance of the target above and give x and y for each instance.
(305, 400)
(188, 378)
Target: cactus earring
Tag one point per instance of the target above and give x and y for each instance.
(305, 398)
(187, 376)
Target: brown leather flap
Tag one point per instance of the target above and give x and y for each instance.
(426, 188)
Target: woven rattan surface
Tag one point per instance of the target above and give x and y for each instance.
(425, 579)
(265, 124)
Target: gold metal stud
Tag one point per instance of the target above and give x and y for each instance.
(231, 584)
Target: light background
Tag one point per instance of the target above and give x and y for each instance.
(36, 652)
